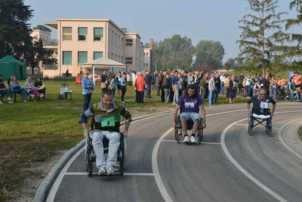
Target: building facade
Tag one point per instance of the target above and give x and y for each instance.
(82, 41)
(148, 59)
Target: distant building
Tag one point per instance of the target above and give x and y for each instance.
(148, 59)
(134, 58)
(83, 41)
(43, 33)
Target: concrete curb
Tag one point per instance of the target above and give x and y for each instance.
(46, 184)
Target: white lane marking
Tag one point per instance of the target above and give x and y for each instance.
(162, 189)
(53, 191)
(280, 136)
(203, 142)
(240, 168)
(125, 174)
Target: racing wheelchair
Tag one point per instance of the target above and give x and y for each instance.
(179, 137)
(90, 155)
(256, 119)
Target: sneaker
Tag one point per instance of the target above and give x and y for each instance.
(192, 139)
(110, 170)
(101, 171)
(186, 139)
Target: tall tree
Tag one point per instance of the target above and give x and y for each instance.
(39, 54)
(209, 54)
(262, 38)
(15, 31)
(295, 5)
(175, 52)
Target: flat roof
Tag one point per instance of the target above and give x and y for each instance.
(133, 33)
(54, 23)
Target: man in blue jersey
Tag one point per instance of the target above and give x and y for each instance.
(191, 107)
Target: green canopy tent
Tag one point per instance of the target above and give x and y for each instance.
(11, 66)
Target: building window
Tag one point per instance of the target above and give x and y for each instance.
(97, 55)
(129, 60)
(82, 57)
(82, 33)
(67, 33)
(97, 33)
(129, 42)
(67, 57)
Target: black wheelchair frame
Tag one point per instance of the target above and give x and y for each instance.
(90, 155)
(178, 130)
(253, 122)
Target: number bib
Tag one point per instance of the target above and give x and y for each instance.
(264, 105)
(108, 122)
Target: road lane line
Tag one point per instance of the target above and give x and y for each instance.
(280, 136)
(240, 168)
(203, 142)
(125, 174)
(162, 189)
(52, 194)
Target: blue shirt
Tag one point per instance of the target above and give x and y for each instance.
(190, 104)
(87, 86)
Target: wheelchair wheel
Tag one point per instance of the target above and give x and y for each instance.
(89, 165)
(89, 157)
(268, 131)
(177, 135)
(200, 136)
(121, 156)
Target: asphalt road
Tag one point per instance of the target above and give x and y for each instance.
(228, 166)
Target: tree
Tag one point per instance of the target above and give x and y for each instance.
(209, 54)
(39, 54)
(173, 53)
(230, 63)
(262, 38)
(15, 36)
(295, 50)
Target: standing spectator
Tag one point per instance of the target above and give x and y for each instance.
(123, 85)
(87, 88)
(211, 87)
(113, 83)
(139, 88)
(231, 92)
(222, 77)
(148, 82)
(161, 81)
(157, 82)
(226, 83)
(273, 89)
(104, 82)
(175, 87)
(217, 88)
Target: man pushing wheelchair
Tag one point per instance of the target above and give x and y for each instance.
(261, 111)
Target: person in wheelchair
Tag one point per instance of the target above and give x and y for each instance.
(105, 123)
(190, 107)
(261, 109)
